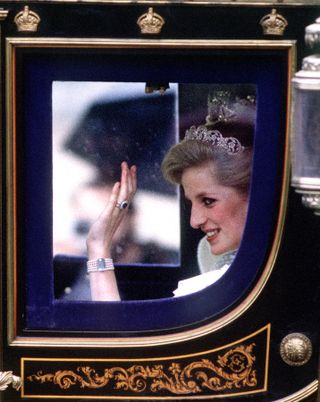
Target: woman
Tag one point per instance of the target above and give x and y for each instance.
(214, 170)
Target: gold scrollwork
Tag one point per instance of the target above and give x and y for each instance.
(233, 370)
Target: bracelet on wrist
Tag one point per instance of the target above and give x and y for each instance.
(100, 265)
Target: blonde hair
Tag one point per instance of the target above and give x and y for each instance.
(230, 170)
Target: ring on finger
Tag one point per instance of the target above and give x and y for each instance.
(122, 205)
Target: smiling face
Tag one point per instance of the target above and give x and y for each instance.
(219, 211)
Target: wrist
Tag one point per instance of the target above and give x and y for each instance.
(95, 253)
(100, 265)
(96, 256)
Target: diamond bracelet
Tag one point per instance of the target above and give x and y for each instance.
(100, 265)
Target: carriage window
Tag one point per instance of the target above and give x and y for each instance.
(75, 111)
(96, 126)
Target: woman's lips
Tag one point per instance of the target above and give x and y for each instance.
(212, 234)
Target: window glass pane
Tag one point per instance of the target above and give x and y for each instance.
(97, 125)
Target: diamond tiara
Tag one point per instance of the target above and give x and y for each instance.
(230, 144)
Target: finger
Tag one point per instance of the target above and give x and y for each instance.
(134, 178)
(129, 181)
(114, 194)
(132, 181)
(112, 200)
(123, 194)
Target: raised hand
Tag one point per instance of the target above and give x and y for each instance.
(100, 236)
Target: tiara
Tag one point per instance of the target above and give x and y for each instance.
(229, 144)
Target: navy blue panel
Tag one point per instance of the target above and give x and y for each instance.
(266, 70)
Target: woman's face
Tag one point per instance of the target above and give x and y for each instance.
(219, 211)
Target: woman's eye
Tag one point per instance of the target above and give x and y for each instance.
(208, 201)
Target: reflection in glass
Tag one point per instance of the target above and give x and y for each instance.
(96, 125)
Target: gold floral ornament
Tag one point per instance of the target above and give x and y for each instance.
(150, 22)
(273, 24)
(27, 20)
(232, 371)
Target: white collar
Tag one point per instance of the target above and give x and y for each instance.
(208, 261)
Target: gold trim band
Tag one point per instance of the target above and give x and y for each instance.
(234, 3)
(239, 368)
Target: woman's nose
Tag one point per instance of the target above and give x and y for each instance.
(197, 218)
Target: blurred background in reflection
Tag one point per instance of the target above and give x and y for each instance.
(96, 125)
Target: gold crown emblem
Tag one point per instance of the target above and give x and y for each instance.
(273, 23)
(150, 22)
(27, 21)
